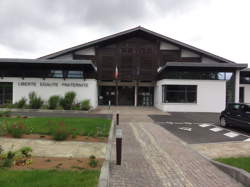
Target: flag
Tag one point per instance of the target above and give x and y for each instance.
(116, 72)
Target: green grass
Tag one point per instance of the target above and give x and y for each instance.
(48, 178)
(240, 162)
(83, 126)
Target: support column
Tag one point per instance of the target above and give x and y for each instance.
(136, 92)
(237, 86)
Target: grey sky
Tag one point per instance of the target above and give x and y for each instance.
(33, 28)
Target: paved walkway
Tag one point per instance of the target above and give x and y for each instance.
(154, 157)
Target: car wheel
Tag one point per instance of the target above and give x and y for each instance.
(223, 122)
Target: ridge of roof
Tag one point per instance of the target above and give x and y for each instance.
(171, 40)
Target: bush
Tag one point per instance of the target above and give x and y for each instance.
(26, 151)
(21, 103)
(67, 101)
(8, 161)
(60, 132)
(92, 161)
(16, 130)
(53, 102)
(85, 104)
(35, 102)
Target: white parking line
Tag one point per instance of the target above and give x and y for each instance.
(231, 134)
(216, 129)
(205, 125)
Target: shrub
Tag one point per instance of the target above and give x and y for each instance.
(8, 161)
(60, 132)
(16, 130)
(53, 102)
(26, 151)
(35, 102)
(92, 161)
(21, 103)
(76, 106)
(85, 104)
(67, 101)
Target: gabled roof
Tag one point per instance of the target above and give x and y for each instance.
(164, 38)
(45, 61)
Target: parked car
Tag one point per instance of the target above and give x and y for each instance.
(236, 114)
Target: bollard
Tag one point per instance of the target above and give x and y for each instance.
(117, 119)
(118, 146)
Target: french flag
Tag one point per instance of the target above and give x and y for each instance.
(116, 72)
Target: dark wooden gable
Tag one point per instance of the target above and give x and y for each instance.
(136, 57)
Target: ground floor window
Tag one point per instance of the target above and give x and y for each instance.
(6, 91)
(179, 93)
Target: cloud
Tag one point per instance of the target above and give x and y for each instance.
(26, 24)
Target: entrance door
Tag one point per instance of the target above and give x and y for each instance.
(145, 96)
(6, 91)
(106, 94)
(126, 95)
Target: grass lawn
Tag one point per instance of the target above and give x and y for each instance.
(48, 178)
(240, 162)
(43, 125)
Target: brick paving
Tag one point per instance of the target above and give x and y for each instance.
(154, 157)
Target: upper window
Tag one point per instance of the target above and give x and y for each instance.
(179, 93)
(75, 74)
(56, 73)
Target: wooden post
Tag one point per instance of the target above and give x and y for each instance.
(117, 118)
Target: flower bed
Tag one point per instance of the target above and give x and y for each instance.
(57, 128)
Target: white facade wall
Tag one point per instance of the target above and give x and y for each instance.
(187, 53)
(85, 89)
(246, 92)
(88, 51)
(211, 96)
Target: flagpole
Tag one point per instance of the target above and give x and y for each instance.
(116, 84)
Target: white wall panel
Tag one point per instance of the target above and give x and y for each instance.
(85, 89)
(211, 96)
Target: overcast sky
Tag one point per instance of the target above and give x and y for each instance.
(33, 28)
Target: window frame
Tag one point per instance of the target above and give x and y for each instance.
(185, 91)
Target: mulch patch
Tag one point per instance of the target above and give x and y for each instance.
(77, 138)
(47, 163)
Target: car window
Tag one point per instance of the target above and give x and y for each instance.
(234, 107)
(247, 109)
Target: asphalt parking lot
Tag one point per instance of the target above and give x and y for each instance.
(195, 128)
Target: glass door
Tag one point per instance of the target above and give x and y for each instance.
(145, 96)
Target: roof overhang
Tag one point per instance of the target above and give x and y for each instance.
(202, 65)
(45, 61)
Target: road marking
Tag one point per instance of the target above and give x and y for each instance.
(216, 129)
(169, 122)
(231, 134)
(247, 140)
(205, 125)
(186, 128)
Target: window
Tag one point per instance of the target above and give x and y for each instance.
(179, 93)
(6, 91)
(56, 73)
(75, 74)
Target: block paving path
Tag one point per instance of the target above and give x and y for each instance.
(152, 156)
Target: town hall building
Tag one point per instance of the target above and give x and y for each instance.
(136, 67)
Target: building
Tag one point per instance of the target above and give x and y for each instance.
(136, 67)
(245, 85)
